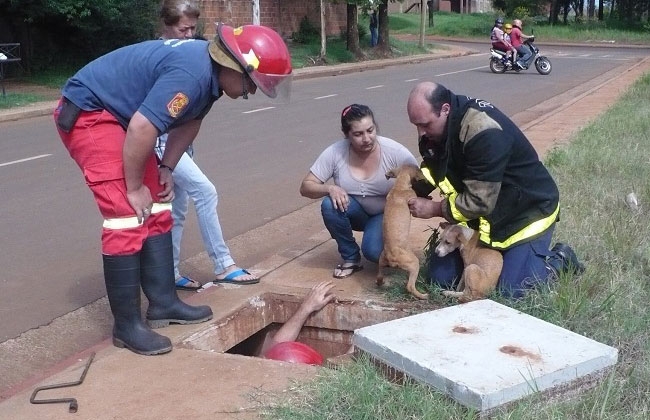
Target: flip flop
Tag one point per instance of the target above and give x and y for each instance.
(182, 284)
(230, 278)
(354, 268)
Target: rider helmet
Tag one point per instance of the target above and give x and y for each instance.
(257, 50)
(507, 28)
(498, 21)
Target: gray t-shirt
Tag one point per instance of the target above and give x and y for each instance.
(371, 193)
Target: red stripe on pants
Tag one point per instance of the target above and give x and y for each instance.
(95, 143)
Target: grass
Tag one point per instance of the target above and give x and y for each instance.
(479, 25)
(608, 303)
(13, 100)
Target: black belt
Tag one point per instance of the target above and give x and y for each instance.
(68, 115)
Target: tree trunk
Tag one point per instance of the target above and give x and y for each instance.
(553, 12)
(600, 10)
(422, 23)
(323, 34)
(353, 30)
(383, 45)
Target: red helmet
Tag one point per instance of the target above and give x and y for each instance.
(294, 352)
(262, 53)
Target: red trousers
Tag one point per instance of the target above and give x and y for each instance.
(95, 142)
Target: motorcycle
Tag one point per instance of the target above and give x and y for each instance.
(499, 62)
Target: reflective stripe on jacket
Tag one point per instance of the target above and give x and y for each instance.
(528, 232)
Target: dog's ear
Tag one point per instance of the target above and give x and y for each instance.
(415, 172)
(444, 225)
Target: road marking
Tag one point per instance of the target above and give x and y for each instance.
(327, 96)
(412, 80)
(258, 110)
(459, 71)
(594, 57)
(24, 160)
(375, 87)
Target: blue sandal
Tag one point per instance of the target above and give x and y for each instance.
(231, 278)
(183, 282)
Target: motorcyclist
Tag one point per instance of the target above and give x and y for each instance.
(499, 42)
(507, 28)
(517, 38)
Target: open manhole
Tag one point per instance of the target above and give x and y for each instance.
(329, 331)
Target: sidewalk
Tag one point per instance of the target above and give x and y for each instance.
(197, 380)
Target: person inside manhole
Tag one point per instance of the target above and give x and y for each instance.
(492, 180)
(282, 346)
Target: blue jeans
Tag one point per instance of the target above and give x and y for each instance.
(374, 37)
(191, 182)
(523, 54)
(524, 267)
(341, 224)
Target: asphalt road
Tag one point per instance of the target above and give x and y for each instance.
(256, 153)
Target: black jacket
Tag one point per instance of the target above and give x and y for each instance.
(493, 168)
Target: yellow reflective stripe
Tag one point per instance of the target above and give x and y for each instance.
(529, 231)
(455, 213)
(132, 222)
(448, 191)
(427, 174)
(484, 229)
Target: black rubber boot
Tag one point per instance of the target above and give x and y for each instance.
(564, 260)
(122, 277)
(157, 268)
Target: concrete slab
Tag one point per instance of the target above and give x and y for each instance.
(484, 354)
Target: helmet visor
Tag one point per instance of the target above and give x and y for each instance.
(275, 86)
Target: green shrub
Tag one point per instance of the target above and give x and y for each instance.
(306, 33)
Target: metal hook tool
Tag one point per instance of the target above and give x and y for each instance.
(73, 402)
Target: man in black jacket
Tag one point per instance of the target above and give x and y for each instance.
(493, 181)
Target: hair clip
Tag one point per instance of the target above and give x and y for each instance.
(346, 110)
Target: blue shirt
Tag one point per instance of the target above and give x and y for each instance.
(169, 81)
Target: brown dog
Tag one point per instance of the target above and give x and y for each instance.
(482, 265)
(397, 222)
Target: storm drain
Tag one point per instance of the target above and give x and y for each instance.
(329, 331)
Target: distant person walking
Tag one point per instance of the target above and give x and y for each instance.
(374, 24)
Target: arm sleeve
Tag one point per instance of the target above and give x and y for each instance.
(323, 167)
(170, 98)
(486, 152)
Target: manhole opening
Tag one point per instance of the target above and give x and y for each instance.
(329, 343)
(244, 330)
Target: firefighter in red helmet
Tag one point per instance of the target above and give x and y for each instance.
(109, 117)
(257, 52)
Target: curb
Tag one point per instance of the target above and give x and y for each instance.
(37, 109)
(40, 109)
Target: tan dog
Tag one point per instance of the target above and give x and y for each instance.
(397, 222)
(482, 265)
